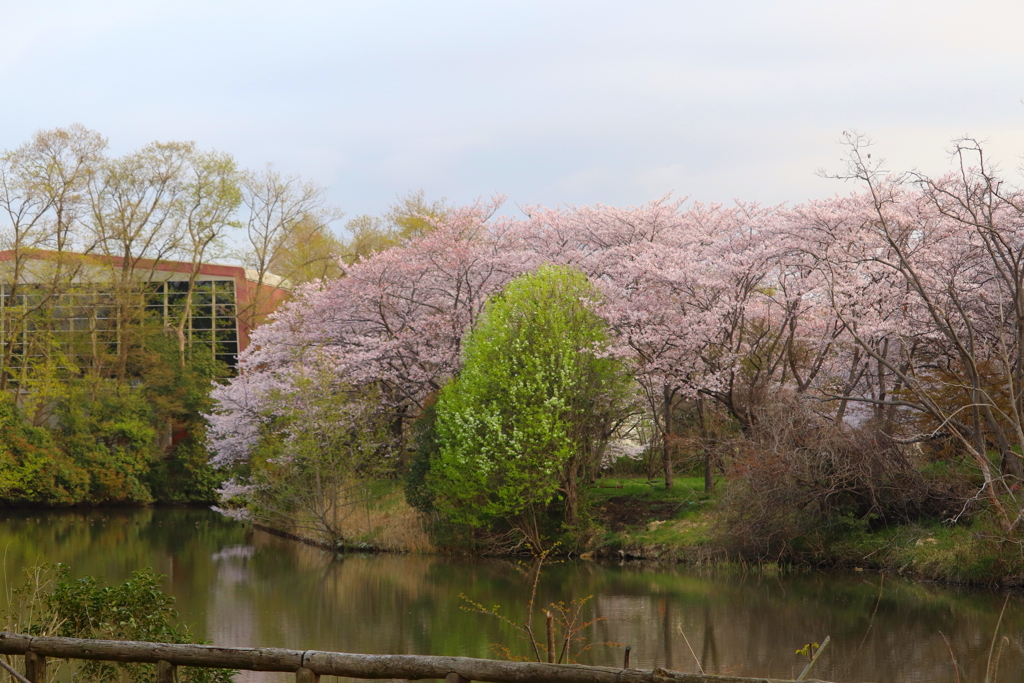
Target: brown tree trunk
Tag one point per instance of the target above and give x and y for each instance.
(709, 475)
(571, 491)
(666, 448)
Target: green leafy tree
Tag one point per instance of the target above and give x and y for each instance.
(32, 468)
(409, 217)
(310, 251)
(516, 428)
(413, 216)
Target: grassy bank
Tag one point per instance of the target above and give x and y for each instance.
(936, 552)
(632, 518)
(642, 520)
(645, 520)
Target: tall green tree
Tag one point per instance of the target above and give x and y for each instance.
(517, 427)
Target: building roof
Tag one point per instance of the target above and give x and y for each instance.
(239, 273)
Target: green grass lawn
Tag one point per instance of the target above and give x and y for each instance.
(932, 550)
(636, 513)
(683, 488)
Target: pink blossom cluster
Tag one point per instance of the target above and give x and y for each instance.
(906, 296)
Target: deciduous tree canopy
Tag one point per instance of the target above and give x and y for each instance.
(898, 307)
(516, 427)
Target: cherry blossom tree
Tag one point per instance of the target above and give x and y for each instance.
(900, 306)
(395, 322)
(925, 276)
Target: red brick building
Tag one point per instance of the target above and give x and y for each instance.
(227, 301)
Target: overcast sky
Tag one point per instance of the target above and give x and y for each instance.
(546, 102)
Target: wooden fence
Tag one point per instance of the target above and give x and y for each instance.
(309, 665)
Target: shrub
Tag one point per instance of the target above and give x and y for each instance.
(185, 474)
(51, 603)
(521, 426)
(799, 481)
(107, 429)
(33, 469)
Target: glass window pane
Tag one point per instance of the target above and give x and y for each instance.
(230, 359)
(227, 347)
(225, 310)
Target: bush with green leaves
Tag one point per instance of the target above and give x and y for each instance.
(103, 440)
(33, 469)
(108, 429)
(526, 416)
(52, 603)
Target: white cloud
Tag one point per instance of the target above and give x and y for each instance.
(568, 102)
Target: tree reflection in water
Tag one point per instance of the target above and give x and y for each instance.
(237, 586)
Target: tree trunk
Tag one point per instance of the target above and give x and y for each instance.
(666, 448)
(709, 475)
(572, 491)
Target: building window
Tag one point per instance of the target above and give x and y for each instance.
(88, 316)
(213, 322)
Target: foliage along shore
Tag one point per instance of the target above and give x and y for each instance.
(842, 371)
(927, 552)
(637, 520)
(849, 367)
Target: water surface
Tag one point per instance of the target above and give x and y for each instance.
(237, 586)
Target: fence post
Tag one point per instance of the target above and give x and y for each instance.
(35, 667)
(304, 675)
(166, 672)
(454, 677)
(551, 637)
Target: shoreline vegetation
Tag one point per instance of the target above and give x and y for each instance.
(835, 383)
(846, 374)
(637, 522)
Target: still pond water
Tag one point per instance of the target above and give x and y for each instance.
(236, 586)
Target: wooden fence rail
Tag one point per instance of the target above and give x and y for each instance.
(309, 665)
